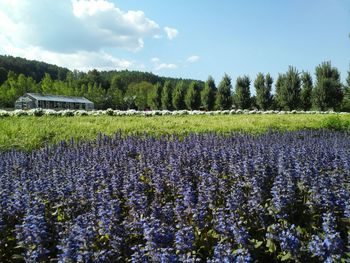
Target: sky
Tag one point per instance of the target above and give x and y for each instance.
(179, 38)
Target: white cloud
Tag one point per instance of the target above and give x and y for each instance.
(68, 26)
(72, 33)
(159, 65)
(157, 36)
(171, 32)
(90, 8)
(165, 66)
(155, 60)
(193, 59)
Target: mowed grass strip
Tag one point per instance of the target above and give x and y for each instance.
(30, 133)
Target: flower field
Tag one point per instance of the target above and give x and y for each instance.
(202, 198)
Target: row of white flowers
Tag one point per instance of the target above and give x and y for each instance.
(111, 112)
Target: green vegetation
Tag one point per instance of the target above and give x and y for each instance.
(346, 100)
(328, 89)
(263, 87)
(242, 93)
(208, 94)
(224, 94)
(288, 89)
(125, 89)
(306, 91)
(33, 132)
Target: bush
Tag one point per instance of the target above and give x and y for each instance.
(109, 112)
(67, 113)
(36, 112)
(336, 124)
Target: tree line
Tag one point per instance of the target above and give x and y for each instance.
(142, 91)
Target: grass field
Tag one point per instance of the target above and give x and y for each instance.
(29, 133)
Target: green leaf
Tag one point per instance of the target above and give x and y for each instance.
(301, 230)
(213, 234)
(286, 257)
(104, 238)
(271, 246)
(60, 216)
(11, 238)
(258, 244)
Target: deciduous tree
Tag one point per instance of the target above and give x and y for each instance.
(242, 93)
(155, 97)
(346, 99)
(224, 93)
(208, 94)
(167, 96)
(328, 89)
(192, 98)
(263, 86)
(179, 96)
(306, 91)
(288, 89)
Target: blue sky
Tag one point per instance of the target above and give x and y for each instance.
(180, 38)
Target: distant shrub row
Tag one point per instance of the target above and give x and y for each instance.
(111, 112)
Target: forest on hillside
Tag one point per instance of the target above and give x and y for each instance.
(125, 89)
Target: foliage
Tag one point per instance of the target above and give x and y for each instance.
(117, 89)
(155, 97)
(107, 88)
(166, 97)
(346, 100)
(192, 97)
(140, 92)
(115, 94)
(30, 68)
(35, 132)
(306, 91)
(263, 86)
(242, 93)
(224, 93)
(288, 89)
(209, 198)
(178, 96)
(328, 90)
(208, 94)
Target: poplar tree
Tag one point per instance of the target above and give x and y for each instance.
(223, 95)
(155, 97)
(167, 96)
(179, 96)
(192, 98)
(306, 91)
(328, 89)
(242, 93)
(288, 89)
(346, 99)
(208, 94)
(263, 86)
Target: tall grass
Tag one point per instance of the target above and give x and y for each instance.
(28, 133)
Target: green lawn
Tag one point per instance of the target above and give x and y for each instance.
(33, 132)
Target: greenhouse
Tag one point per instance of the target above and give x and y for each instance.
(35, 100)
